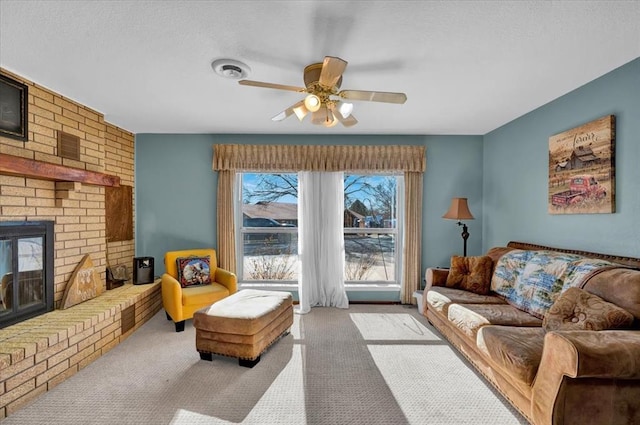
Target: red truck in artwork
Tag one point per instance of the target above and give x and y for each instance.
(580, 187)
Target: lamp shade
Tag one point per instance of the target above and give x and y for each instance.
(459, 210)
(345, 109)
(320, 116)
(300, 110)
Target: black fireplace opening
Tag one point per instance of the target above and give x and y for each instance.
(26, 270)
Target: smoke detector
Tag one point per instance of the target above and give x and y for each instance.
(229, 68)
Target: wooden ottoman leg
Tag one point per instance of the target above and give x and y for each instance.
(206, 356)
(249, 363)
(180, 326)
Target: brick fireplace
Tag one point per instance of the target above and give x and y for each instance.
(76, 208)
(42, 351)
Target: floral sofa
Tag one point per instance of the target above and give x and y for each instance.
(557, 332)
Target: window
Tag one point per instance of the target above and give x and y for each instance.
(267, 235)
(371, 228)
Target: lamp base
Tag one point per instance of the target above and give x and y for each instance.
(465, 235)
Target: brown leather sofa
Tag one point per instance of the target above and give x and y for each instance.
(557, 377)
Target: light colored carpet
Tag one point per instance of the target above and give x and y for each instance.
(369, 364)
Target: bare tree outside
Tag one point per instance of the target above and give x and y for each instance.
(356, 187)
(385, 196)
(273, 187)
(358, 266)
(271, 267)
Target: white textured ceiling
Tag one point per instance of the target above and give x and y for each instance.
(466, 67)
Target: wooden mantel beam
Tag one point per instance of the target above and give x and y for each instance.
(18, 166)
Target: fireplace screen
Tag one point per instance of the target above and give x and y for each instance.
(26, 270)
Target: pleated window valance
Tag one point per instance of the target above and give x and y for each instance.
(294, 158)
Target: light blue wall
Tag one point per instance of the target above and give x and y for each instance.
(504, 175)
(175, 198)
(175, 189)
(516, 164)
(454, 170)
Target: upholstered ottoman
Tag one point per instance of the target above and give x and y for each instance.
(243, 325)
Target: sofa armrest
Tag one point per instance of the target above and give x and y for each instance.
(435, 276)
(227, 279)
(613, 354)
(604, 354)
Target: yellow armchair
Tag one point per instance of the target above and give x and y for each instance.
(180, 303)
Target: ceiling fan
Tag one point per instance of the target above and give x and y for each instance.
(324, 99)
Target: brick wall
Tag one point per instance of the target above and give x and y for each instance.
(78, 210)
(38, 354)
(119, 161)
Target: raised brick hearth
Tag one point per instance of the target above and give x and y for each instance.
(40, 353)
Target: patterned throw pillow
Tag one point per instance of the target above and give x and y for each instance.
(470, 273)
(193, 271)
(577, 309)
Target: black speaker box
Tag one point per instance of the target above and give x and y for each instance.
(142, 270)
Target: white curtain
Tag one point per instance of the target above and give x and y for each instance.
(321, 240)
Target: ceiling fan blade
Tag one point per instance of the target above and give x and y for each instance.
(373, 96)
(272, 86)
(347, 122)
(283, 115)
(297, 108)
(332, 69)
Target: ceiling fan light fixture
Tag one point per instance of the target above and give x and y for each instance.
(330, 120)
(312, 102)
(323, 117)
(345, 109)
(301, 111)
(318, 117)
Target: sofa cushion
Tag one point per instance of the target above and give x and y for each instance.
(577, 309)
(470, 273)
(470, 317)
(517, 350)
(193, 271)
(439, 298)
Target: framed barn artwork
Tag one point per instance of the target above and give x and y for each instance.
(582, 169)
